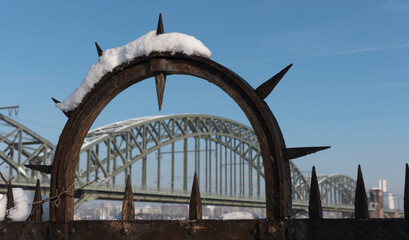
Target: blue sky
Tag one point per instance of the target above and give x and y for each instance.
(348, 87)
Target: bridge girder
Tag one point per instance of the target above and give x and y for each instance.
(18, 146)
(133, 140)
(337, 189)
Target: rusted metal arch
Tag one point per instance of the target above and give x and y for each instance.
(277, 172)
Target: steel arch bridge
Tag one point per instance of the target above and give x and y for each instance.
(162, 153)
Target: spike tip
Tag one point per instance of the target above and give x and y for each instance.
(55, 100)
(195, 205)
(99, 50)
(314, 207)
(160, 30)
(361, 200)
(37, 208)
(291, 153)
(128, 208)
(41, 168)
(67, 114)
(267, 87)
(160, 81)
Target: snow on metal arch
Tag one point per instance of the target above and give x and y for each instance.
(277, 173)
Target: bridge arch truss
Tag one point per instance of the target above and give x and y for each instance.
(223, 152)
(162, 153)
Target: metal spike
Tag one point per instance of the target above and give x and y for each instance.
(314, 207)
(160, 81)
(99, 50)
(291, 153)
(55, 100)
(41, 168)
(37, 208)
(160, 30)
(268, 86)
(195, 205)
(128, 208)
(406, 194)
(10, 200)
(68, 114)
(361, 199)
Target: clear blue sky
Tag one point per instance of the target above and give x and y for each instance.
(348, 87)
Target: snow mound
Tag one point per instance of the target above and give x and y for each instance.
(238, 215)
(143, 46)
(22, 206)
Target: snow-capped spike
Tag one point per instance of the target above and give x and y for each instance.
(361, 200)
(160, 30)
(291, 153)
(41, 168)
(67, 114)
(195, 205)
(406, 194)
(314, 206)
(10, 200)
(268, 86)
(99, 50)
(55, 100)
(128, 208)
(160, 81)
(37, 208)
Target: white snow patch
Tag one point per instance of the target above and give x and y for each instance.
(143, 46)
(238, 215)
(22, 206)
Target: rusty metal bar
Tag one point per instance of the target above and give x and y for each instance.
(306, 229)
(10, 200)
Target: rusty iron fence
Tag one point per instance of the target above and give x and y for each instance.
(278, 224)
